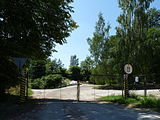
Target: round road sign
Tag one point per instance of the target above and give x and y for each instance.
(128, 69)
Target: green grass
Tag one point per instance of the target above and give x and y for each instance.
(136, 101)
(152, 103)
(100, 87)
(119, 99)
(30, 92)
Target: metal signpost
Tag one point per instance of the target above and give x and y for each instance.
(128, 70)
(20, 62)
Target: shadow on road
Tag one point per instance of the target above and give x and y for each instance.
(54, 109)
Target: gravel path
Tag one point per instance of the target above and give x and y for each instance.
(86, 111)
(61, 104)
(87, 93)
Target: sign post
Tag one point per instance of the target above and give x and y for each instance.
(128, 70)
(19, 63)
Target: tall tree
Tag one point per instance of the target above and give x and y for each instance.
(87, 63)
(74, 61)
(99, 39)
(31, 28)
(75, 72)
(86, 67)
(53, 66)
(153, 18)
(132, 30)
(37, 69)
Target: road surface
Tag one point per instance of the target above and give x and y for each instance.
(71, 110)
(61, 104)
(87, 93)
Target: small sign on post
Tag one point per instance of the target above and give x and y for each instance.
(136, 79)
(128, 70)
(20, 63)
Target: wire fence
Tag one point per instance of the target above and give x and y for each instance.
(103, 85)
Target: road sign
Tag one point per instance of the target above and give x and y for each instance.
(136, 79)
(125, 76)
(19, 62)
(128, 69)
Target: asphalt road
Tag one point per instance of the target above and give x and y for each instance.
(64, 106)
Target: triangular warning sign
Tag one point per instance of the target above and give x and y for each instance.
(19, 62)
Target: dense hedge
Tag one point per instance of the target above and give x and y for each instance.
(49, 82)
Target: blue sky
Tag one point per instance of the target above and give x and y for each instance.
(86, 15)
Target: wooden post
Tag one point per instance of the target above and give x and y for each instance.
(145, 88)
(78, 90)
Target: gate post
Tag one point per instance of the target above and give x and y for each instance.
(78, 90)
(126, 91)
(145, 88)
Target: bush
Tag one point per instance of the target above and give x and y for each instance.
(8, 75)
(38, 83)
(53, 81)
(65, 82)
(49, 82)
(150, 102)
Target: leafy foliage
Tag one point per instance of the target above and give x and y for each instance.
(98, 42)
(86, 67)
(8, 74)
(34, 25)
(75, 72)
(31, 29)
(37, 69)
(74, 60)
(49, 82)
(53, 66)
(136, 42)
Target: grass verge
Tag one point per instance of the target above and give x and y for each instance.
(149, 102)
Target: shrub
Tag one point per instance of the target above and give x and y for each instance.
(53, 81)
(149, 102)
(65, 82)
(49, 82)
(38, 83)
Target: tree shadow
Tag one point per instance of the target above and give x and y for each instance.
(56, 109)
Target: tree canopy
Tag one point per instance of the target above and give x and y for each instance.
(31, 28)
(136, 41)
(74, 61)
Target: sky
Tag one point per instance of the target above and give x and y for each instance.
(86, 15)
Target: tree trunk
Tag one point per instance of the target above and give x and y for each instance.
(2, 93)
